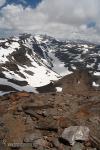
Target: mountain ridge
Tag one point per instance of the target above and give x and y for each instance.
(28, 61)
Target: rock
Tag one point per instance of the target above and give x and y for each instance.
(40, 144)
(56, 143)
(31, 113)
(42, 113)
(29, 120)
(31, 137)
(19, 108)
(50, 124)
(73, 133)
(35, 107)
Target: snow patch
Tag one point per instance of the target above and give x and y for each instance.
(38, 38)
(95, 84)
(58, 66)
(27, 88)
(59, 89)
(96, 73)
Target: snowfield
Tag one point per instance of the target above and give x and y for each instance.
(27, 61)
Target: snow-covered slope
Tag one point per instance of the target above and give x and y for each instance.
(27, 61)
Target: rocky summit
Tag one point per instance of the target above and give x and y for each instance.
(67, 119)
(49, 94)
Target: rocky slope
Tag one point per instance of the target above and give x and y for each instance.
(31, 121)
(27, 61)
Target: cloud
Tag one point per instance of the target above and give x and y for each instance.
(64, 19)
(2, 2)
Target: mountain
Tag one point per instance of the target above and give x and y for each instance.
(28, 62)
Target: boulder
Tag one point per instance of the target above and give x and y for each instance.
(31, 137)
(76, 133)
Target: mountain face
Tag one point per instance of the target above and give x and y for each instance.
(28, 62)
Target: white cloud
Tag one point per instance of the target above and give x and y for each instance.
(63, 18)
(2, 2)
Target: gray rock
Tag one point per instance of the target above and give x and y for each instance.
(31, 113)
(73, 133)
(19, 109)
(28, 120)
(31, 137)
(40, 144)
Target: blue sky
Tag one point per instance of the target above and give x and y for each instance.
(32, 3)
(59, 18)
(91, 24)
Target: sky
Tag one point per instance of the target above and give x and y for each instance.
(67, 19)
